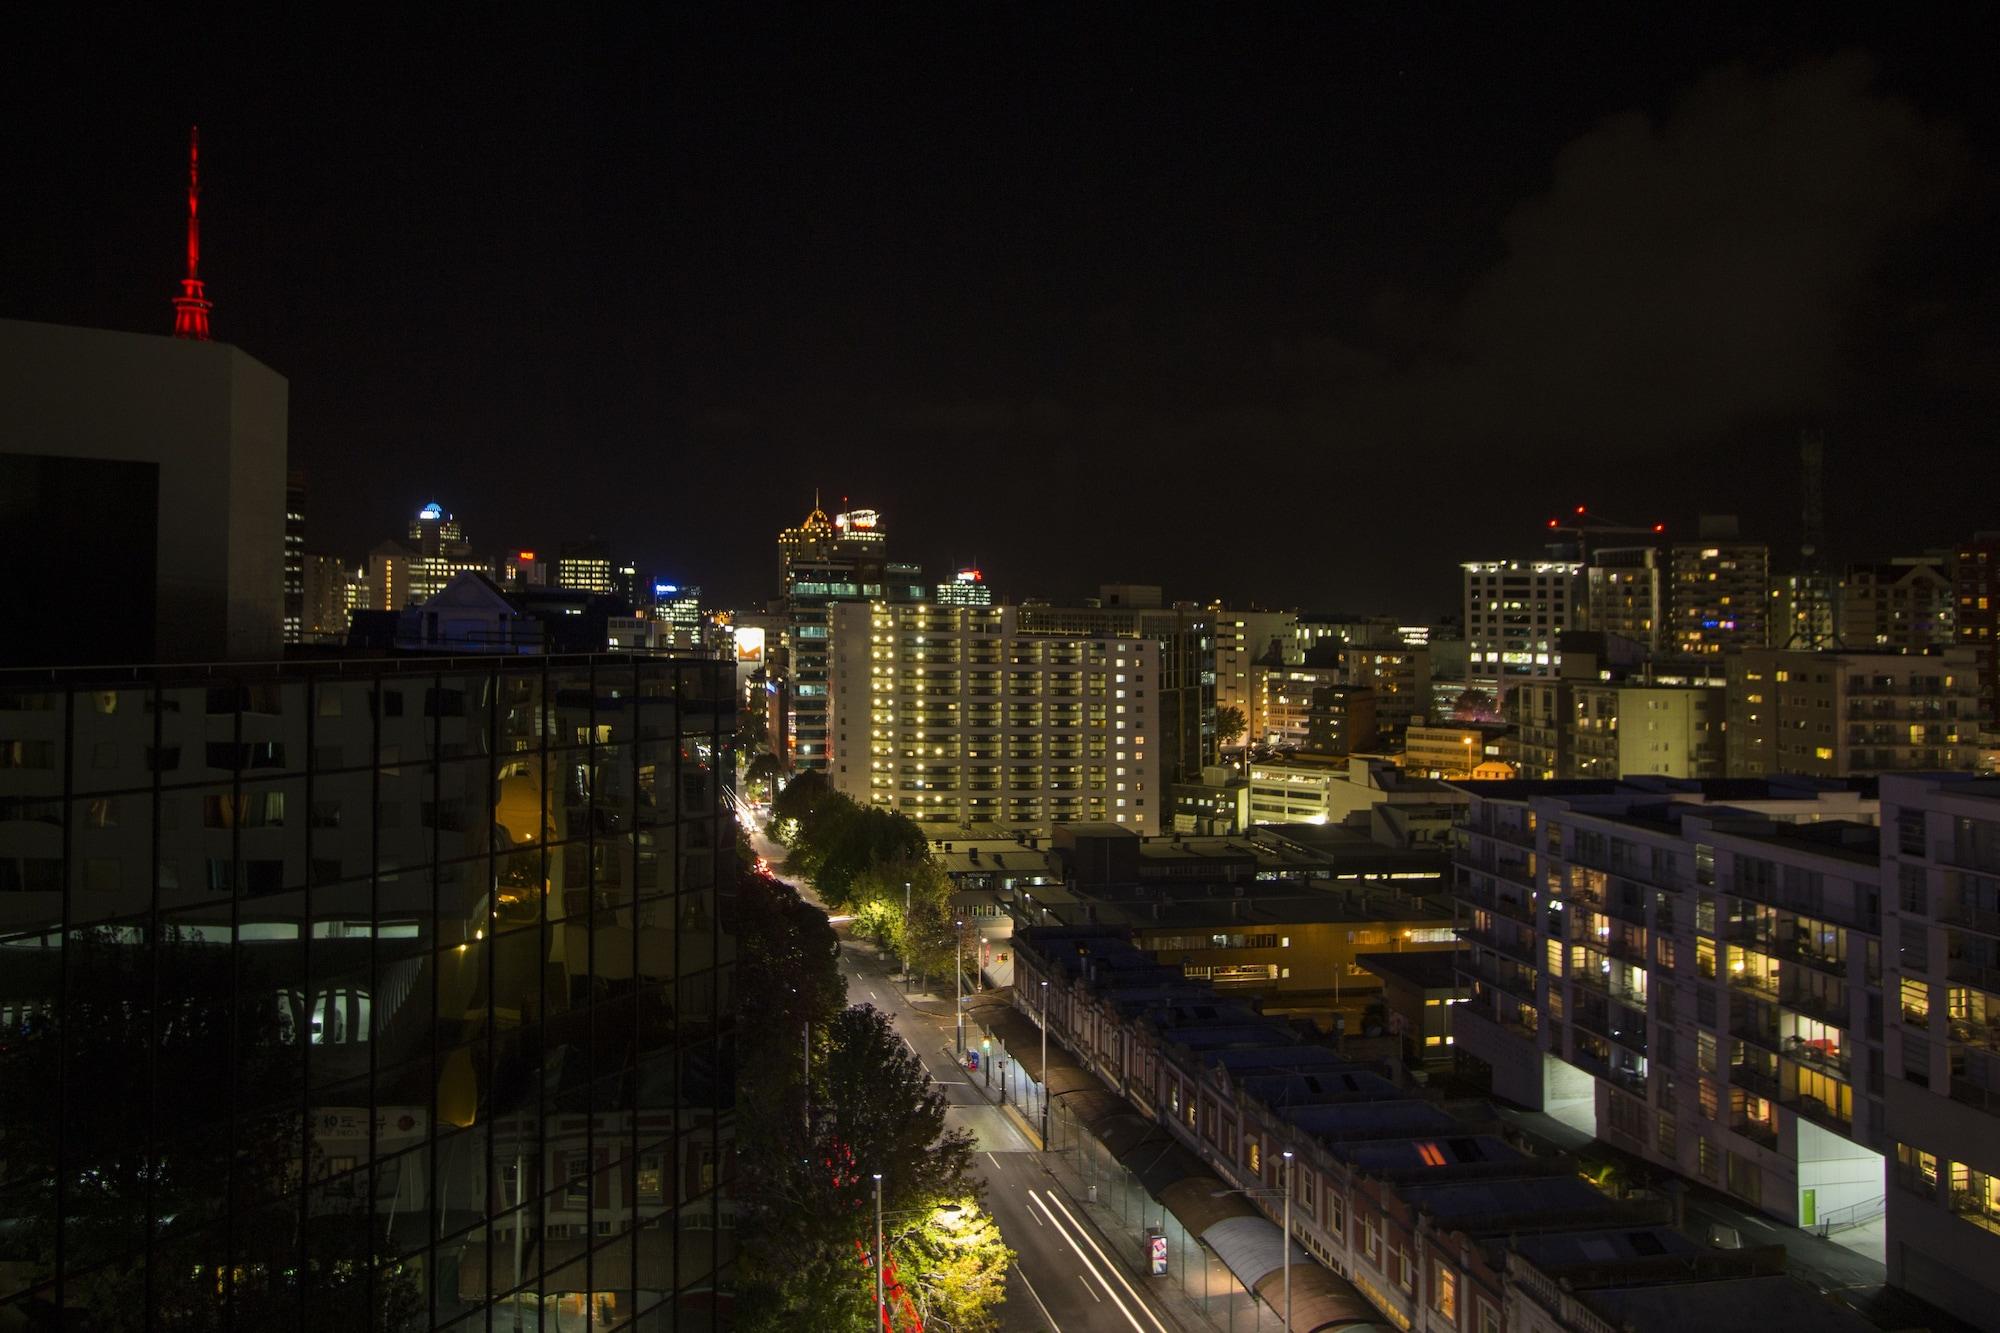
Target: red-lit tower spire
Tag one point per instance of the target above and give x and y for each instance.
(191, 307)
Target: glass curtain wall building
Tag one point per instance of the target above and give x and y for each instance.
(356, 995)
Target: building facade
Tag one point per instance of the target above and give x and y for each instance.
(1626, 590)
(1902, 606)
(1184, 702)
(410, 979)
(1834, 713)
(1514, 611)
(954, 714)
(968, 587)
(1721, 596)
(1975, 579)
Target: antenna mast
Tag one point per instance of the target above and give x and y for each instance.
(191, 306)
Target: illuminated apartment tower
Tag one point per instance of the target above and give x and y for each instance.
(821, 562)
(1626, 593)
(953, 714)
(1976, 595)
(402, 574)
(1721, 591)
(295, 557)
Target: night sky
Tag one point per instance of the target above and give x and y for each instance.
(1293, 304)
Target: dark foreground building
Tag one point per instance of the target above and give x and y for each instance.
(350, 995)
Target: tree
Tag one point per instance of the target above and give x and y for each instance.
(955, 1264)
(927, 937)
(812, 1198)
(1229, 724)
(762, 773)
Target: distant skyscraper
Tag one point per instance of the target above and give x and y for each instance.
(823, 561)
(1902, 605)
(967, 588)
(1627, 593)
(585, 567)
(406, 573)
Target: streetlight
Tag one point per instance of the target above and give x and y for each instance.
(1045, 1066)
(1288, 1240)
(906, 934)
(958, 983)
(1216, 1194)
(881, 1305)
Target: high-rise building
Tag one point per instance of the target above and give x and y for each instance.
(1720, 591)
(330, 598)
(1287, 703)
(1627, 594)
(822, 562)
(1804, 611)
(1514, 611)
(678, 607)
(955, 714)
(1184, 698)
(1400, 676)
(411, 572)
(1975, 576)
(295, 556)
(151, 471)
(1903, 605)
(586, 567)
(1835, 713)
(967, 588)
(359, 994)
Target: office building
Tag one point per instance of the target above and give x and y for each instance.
(366, 994)
(968, 587)
(1834, 713)
(1901, 606)
(678, 607)
(332, 593)
(1460, 750)
(152, 472)
(412, 571)
(954, 714)
(1287, 702)
(1184, 700)
(1514, 611)
(823, 562)
(587, 567)
(1720, 592)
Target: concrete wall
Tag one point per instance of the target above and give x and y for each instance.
(1840, 1173)
(214, 420)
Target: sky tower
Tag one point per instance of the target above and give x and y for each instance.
(191, 307)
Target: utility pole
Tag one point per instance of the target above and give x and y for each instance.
(906, 934)
(958, 983)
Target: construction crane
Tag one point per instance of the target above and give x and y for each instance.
(1583, 525)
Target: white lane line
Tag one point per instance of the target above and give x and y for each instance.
(871, 995)
(1086, 1286)
(1085, 1260)
(995, 1160)
(1038, 1299)
(1115, 1270)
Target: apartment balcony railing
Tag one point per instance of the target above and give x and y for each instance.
(1757, 1131)
(1500, 943)
(1506, 904)
(1823, 1055)
(1973, 974)
(1967, 1093)
(1807, 956)
(1763, 1035)
(1982, 919)
(1752, 1079)
(1814, 1004)
(1985, 1036)
(1631, 951)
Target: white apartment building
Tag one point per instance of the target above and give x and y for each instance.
(952, 714)
(1941, 998)
(1514, 609)
(1691, 973)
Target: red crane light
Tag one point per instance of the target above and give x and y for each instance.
(191, 307)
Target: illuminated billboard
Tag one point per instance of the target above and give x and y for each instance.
(749, 643)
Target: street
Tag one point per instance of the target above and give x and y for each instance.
(1066, 1277)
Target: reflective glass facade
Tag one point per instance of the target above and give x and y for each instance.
(356, 995)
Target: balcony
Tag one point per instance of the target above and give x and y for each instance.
(1763, 1132)
(1807, 956)
(1522, 952)
(1510, 905)
(1984, 1036)
(1817, 1004)
(1755, 1080)
(1507, 977)
(1630, 951)
(1973, 974)
(1982, 919)
(1822, 1054)
(1759, 1032)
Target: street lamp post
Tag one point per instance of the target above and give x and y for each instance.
(881, 1306)
(906, 934)
(1288, 1240)
(958, 983)
(1045, 1066)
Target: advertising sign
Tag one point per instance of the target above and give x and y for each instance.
(1156, 1251)
(749, 643)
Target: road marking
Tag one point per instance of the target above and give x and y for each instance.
(1038, 1300)
(995, 1160)
(1086, 1286)
(1076, 1249)
(871, 995)
(1115, 1270)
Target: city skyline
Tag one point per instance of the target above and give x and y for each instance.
(1468, 270)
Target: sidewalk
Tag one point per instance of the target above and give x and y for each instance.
(1199, 1294)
